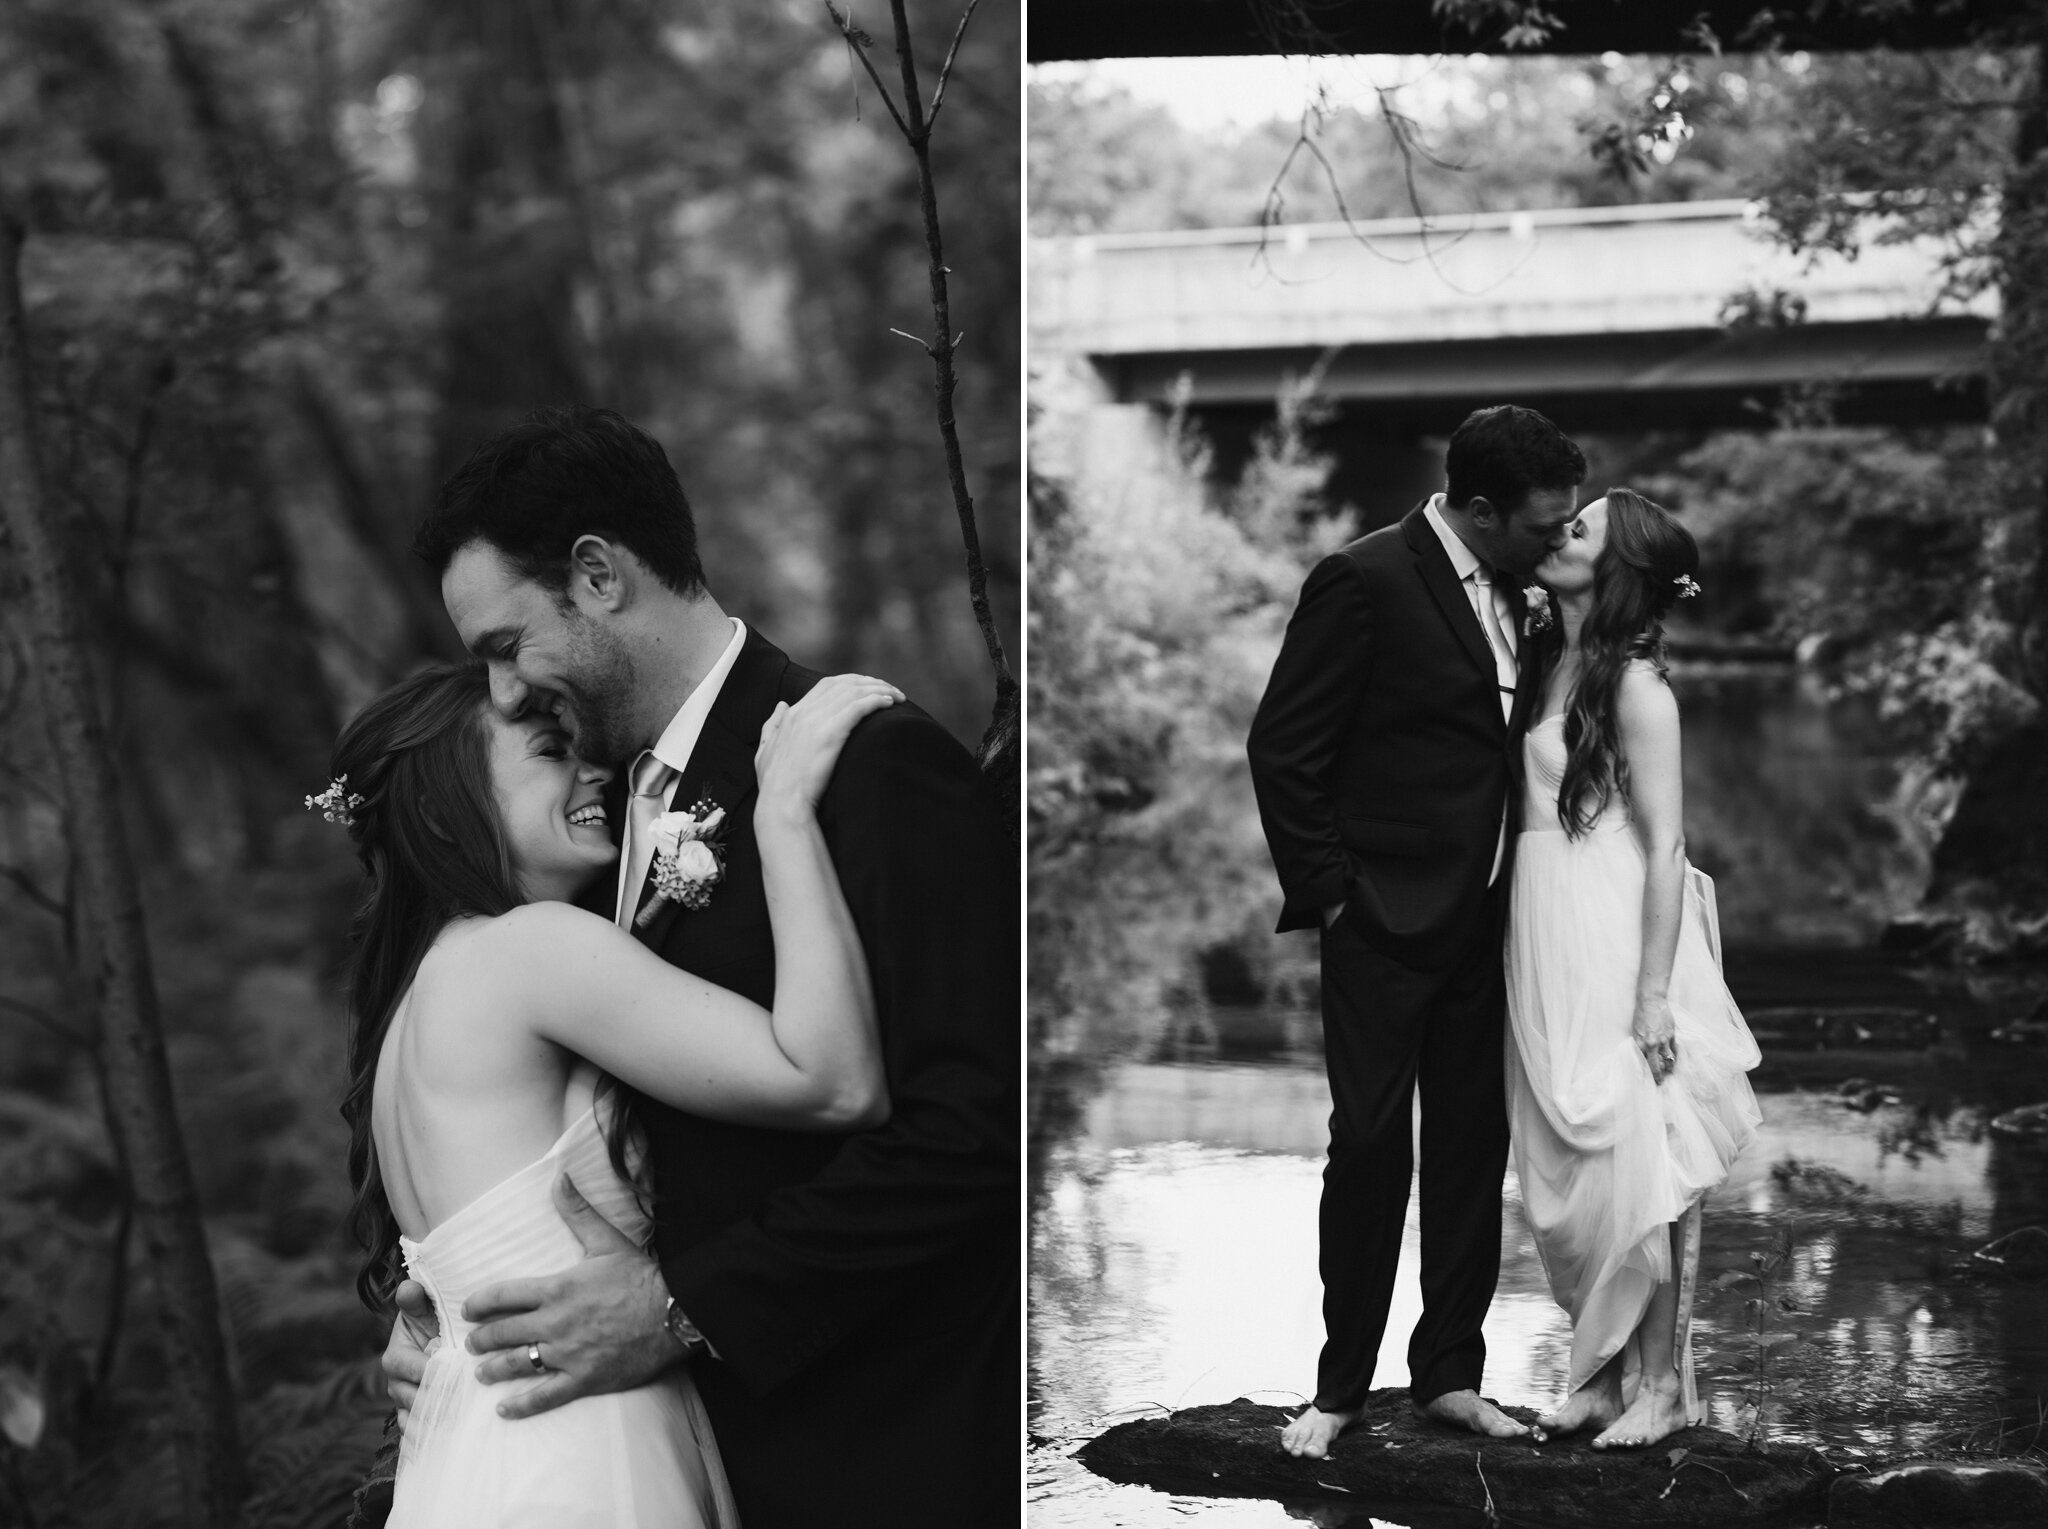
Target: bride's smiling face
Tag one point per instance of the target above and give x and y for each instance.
(1569, 570)
(549, 802)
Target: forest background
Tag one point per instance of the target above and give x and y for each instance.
(1901, 563)
(287, 262)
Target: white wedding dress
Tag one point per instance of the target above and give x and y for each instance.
(639, 1459)
(1607, 1157)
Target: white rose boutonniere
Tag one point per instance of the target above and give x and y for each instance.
(689, 858)
(1537, 598)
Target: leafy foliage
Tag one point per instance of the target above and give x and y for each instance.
(1157, 606)
(1439, 138)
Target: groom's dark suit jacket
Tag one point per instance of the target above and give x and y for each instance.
(861, 1290)
(1380, 755)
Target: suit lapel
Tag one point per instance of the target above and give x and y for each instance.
(1441, 579)
(721, 767)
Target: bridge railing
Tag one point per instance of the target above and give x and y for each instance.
(1576, 271)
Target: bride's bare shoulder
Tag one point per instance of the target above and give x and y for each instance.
(1644, 698)
(532, 944)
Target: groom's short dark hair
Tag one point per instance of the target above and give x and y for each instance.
(561, 473)
(1503, 453)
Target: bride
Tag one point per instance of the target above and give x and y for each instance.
(489, 1021)
(1626, 1056)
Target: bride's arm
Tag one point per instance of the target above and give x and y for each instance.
(813, 1062)
(1648, 716)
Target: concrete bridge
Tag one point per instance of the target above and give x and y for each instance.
(1610, 319)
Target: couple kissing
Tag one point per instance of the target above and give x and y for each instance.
(1470, 786)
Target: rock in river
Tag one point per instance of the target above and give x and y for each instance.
(1699, 1476)
(1997, 1494)
(2022, 1254)
(2027, 1123)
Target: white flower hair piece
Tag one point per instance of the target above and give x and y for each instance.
(1686, 587)
(337, 803)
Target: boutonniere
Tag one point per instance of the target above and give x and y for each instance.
(689, 858)
(1537, 599)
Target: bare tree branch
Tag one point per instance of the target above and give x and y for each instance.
(856, 43)
(30, 888)
(1001, 741)
(1408, 143)
(46, 1019)
(931, 118)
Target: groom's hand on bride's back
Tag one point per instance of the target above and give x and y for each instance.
(597, 1324)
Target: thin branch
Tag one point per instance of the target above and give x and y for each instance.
(855, 41)
(931, 118)
(1407, 140)
(41, 788)
(1000, 742)
(44, 1018)
(30, 888)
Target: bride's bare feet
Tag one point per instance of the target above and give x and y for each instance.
(1594, 1405)
(1657, 1412)
(1310, 1435)
(1467, 1409)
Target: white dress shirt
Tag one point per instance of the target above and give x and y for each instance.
(1496, 623)
(677, 743)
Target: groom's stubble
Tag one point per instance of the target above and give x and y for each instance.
(598, 693)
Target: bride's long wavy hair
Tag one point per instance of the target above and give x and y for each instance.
(1635, 579)
(431, 841)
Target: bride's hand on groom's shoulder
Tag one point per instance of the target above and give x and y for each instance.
(597, 1324)
(800, 744)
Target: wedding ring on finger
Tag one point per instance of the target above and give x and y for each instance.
(540, 1366)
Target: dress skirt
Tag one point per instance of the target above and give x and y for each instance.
(1608, 1159)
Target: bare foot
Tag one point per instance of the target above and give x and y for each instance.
(1310, 1435)
(1657, 1412)
(1467, 1409)
(1594, 1405)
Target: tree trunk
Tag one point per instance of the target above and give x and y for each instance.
(199, 1399)
(2019, 405)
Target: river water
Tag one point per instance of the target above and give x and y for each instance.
(1174, 1190)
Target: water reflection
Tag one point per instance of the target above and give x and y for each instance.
(1174, 1255)
(1179, 1124)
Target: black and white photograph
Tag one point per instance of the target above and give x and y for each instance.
(1537, 823)
(510, 764)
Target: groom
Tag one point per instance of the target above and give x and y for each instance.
(848, 1305)
(1382, 756)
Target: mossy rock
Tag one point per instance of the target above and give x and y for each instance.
(1393, 1456)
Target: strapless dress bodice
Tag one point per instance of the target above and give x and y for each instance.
(513, 1231)
(642, 1458)
(1543, 762)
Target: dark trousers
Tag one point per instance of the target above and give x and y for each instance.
(1387, 1030)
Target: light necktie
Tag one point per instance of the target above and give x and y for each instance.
(1500, 637)
(650, 780)
(1500, 640)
